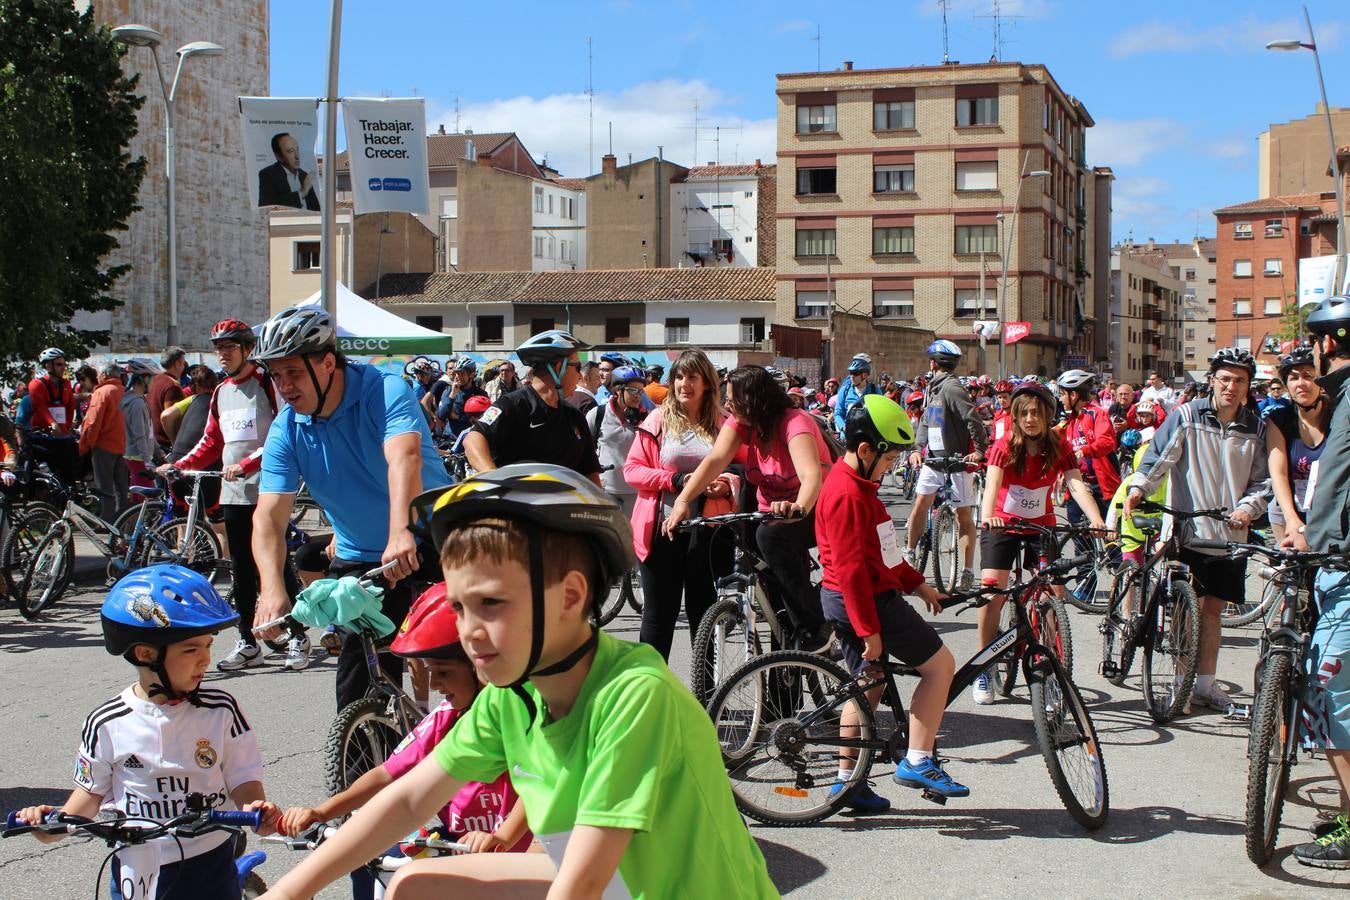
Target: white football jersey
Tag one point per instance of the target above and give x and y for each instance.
(144, 758)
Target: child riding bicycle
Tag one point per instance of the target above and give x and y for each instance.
(484, 816)
(617, 765)
(165, 737)
(864, 575)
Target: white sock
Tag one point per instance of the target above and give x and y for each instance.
(914, 757)
(1204, 684)
(845, 775)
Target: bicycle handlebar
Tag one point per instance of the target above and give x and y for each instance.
(1299, 558)
(727, 519)
(1149, 506)
(118, 831)
(196, 474)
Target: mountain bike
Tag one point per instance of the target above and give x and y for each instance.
(1153, 608)
(130, 838)
(382, 868)
(778, 723)
(904, 477)
(1237, 615)
(941, 538)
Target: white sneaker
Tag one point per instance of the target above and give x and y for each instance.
(297, 654)
(967, 581)
(1216, 698)
(983, 691)
(242, 656)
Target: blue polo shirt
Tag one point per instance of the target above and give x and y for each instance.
(342, 460)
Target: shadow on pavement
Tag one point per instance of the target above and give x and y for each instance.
(18, 797)
(54, 630)
(789, 868)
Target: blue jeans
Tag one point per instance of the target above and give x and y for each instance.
(209, 876)
(1326, 716)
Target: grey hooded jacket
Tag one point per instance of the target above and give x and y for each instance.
(951, 426)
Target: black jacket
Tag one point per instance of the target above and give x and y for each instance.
(275, 190)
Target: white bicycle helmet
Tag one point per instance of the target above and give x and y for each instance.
(51, 354)
(297, 331)
(1076, 380)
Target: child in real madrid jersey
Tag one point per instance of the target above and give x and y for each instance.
(164, 737)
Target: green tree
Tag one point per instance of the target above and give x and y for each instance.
(1293, 321)
(67, 182)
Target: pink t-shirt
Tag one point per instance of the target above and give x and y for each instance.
(477, 806)
(769, 466)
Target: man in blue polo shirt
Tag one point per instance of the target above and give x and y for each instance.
(359, 440)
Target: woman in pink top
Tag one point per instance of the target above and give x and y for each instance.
(786, 458)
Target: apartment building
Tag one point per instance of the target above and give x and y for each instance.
(628, 208)
(1293, 157)
(1146, 316)
(897, 189)
(715, 216)
(1195, 264)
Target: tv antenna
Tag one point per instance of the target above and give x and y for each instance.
(590, 113)
(704, 123)
(999, 16)
(817, 40)
(942, 4)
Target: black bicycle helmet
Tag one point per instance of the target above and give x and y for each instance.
(1233, 357)
(1331, 317)
(1299, 356)
(548, 351)
(541, 496)
(297, 331)
(1037, 390)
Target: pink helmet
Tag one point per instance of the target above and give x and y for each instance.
(833, 401)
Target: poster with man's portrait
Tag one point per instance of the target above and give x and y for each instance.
(279, 138)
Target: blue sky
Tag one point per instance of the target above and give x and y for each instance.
(1179, 90)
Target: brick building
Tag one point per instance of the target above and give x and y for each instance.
(1194, 263)
(1146, 315)
(892, 192)
(1292, 156)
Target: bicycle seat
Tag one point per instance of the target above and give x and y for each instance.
(147, 492)
(949, 465)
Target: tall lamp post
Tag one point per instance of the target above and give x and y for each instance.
(1339, 284)
(1007, 252)
(145, 36)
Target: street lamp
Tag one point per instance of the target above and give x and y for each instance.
(145, 36)
(1339, 282)
(1007, 252)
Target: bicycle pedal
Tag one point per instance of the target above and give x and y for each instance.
(1108, 669)
(934, 797)
(1238, 712)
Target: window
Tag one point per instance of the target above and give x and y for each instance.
(551, 249)
(892, 240)
(1242, 268)
(976, 238)
(813, 119)
(812, 304)
(435, 323)
(306, 255)
(977, 176)
(1273, 267)
(893, 304)
(1273, 307)
(968, 304)
(538, 199)
(1305, 228)
(816, 181)
(1190, 334)
(815, 242)
(1242, 342)
(539, 248)
(539, 326)
(752, 331)
(491, 329)
(890, 116)
(616, 330)
(562, 250)
(1190, 353)
(1274, 228)
(677, 331)
(722, 248)
(1190, 274)
(1242, 231)
(893, 179)
(550, 204)
(977, 111)
(1242, 307)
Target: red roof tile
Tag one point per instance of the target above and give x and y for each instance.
(1272, 204)
(445, 150)
(567, 286)
(727, 171)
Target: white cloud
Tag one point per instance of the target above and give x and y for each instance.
(1122, 142)
(645, 116)
(1027, 9)
(1245, 35)
(1138, 205)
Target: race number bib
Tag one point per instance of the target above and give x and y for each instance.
(890, 544)
(935, 438)
(58, 414)
(138, 874)
(238, 425)
(1024, 502)
(1308, 487)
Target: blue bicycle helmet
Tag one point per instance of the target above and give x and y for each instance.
(161, 605)
(624, 374)
(944, 352)
(614, 358)
(857, 365)
(1130, 439)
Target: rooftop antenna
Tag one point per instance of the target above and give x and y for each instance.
(817, 40)
(457, 114)
(943, 5)
(694, 161)
(590, 111)
(611, 138)
(998, 15)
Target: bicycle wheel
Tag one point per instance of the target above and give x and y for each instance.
(1050, 623)
(26, 531)
(615, 601)
(911, 480)
(1235, 615)
(361, 737)
(922, 550)
(768, 725)
(722, 644)
(201, 552)
(1171, 643)
(1117, 644)
(48, 571)
(1267, 767)
(1068, 741)
(1005, 670)
(1081, 586)
(309, 517)
(946, 550)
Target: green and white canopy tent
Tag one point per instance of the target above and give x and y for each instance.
(366, 330)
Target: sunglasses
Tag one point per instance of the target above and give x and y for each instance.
(225, 346)
(631, 391)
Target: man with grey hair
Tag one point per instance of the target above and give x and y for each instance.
(166, 389)
(104, 438)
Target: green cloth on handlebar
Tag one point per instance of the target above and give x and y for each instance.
(344, 602)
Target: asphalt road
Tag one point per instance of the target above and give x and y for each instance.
(1176, 792)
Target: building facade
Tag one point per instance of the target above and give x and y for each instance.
(1195, 264)
(715, 215)
(222, 238)
(896, 191)
(1146, 316)
(629, 215)
(1294, 157)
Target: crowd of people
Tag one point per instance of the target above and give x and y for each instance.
(577, 471)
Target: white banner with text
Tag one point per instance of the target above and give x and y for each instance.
(387, 153)
(279, 161)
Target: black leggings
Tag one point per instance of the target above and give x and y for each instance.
(239, 537)
(682, 566)
(786, 546)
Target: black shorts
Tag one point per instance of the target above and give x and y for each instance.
(998, 549)
(905, 634)
(1217, 576)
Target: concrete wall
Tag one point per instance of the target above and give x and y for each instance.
(405, 246)
(629, 216)
(289, 285)
(587, 321)
(898, 349)
(494, 220)
(710, 209)
(1294, 156)
(564, 236)
(711, 323)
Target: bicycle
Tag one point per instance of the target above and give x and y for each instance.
(182, 540)
(382, 867)
(778, 722)
(139, 859)
(1165, 626)
(941, 539)
(1237, 615)
(742, 621)
(629, 593)
(904, 477)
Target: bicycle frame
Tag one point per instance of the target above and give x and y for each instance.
(401, 706)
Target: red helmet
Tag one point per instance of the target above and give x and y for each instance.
(914, 398)
(232, 330)
(476, 405)
(1003, 387)
(429, 631)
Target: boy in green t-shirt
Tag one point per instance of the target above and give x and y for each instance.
(616, 764)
